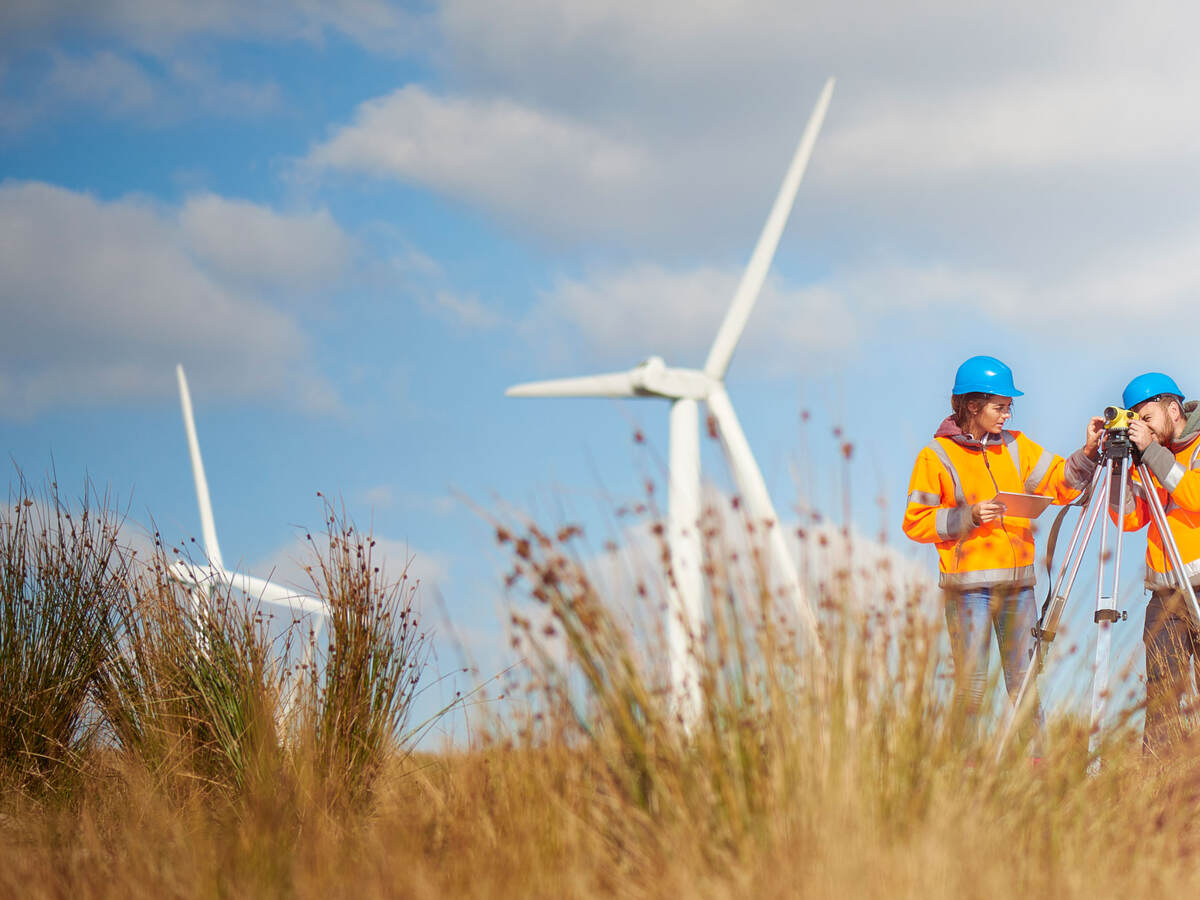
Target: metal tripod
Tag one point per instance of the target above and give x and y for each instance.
(1118, 457)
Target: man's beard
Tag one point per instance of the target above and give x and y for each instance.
(1166, 438)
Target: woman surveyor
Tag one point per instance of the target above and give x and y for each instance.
(986, 558)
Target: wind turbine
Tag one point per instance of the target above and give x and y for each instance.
(685, 388)
(206, 578)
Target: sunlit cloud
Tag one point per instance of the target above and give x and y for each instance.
(102, 298)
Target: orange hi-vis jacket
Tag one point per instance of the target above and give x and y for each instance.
(1175, 470)
(954, 472)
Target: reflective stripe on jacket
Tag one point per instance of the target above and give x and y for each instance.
(953, 473)
(1175, 473)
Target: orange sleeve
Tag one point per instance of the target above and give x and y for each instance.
(1180, 482)
(932, 513)
(1048, 473)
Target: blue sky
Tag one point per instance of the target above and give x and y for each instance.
(356, 222)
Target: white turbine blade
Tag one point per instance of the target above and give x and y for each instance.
(269, 592)
(210, 577)
(758, 503)
(208, 528)
(192, 573)
(683, 537)
(201, 579)
(756, 272)
(616, 384)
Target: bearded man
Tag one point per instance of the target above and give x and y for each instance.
(1165, 432)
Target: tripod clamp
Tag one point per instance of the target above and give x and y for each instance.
(1046, 635)
(1117, 445)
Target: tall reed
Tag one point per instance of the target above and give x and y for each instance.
(191, 685)
(61, 572)
(198, 684)
(793, 752)
(355, 709)
(841, 776)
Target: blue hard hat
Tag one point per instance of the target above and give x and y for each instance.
(984, 375)
(1147, 387)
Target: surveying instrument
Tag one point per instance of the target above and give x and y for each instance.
(1118, 457)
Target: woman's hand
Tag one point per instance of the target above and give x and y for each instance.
(1091, 444)
(988, 511)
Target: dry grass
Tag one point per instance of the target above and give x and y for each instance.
(844, 780)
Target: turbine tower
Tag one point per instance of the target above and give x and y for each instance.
(685, 388)
(206, 578)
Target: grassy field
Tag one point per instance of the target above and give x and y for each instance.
(150, 750)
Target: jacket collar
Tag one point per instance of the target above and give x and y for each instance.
(948, 429)
(1191, 428)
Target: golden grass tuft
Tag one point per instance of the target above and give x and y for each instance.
(843, 779)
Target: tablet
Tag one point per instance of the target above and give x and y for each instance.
(1024, 506)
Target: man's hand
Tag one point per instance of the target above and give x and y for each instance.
(1091, 444)
(1141, 434)
(988, 511)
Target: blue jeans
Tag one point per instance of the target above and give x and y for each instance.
(971, 616)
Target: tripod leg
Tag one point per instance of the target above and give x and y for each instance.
(1048, 625)
(1073, 560)
(1106, 614)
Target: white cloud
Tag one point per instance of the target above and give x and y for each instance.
(1157, 279)
(380, 496)
(628, 314)
(424, 279)
(249, 241)
(378, 25)
(990, 138)
(616, 317)
(102, 298)
(464, 310)
(497, 152)
(131, 87)
(1026, 165)
(1023, 123)
(105, 80)
(203, 85)
(387, 496)
(745, 58)
(1015, 139)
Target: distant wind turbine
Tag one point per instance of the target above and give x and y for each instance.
(206, 578)
(685, 388)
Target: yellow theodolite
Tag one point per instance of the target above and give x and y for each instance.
(1117, 419)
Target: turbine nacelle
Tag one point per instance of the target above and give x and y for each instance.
(656, 379)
